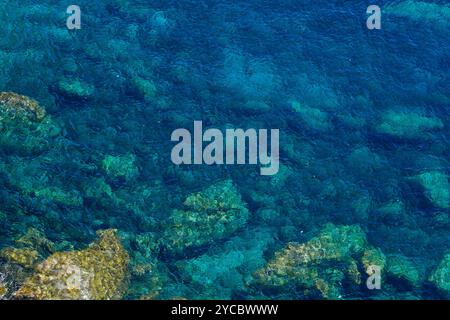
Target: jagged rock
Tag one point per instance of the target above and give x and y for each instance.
(321, 264)
(212, 214)
(25, 257)
(15, 105)
(24, 125)
(96, 273)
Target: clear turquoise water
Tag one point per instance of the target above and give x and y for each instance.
(207, 60)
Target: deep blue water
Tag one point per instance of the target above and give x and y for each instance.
(374, 115)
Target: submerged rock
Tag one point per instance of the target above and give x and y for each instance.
(441, 276)
(13, 105)
(28, 250)
(437, 188)
(314, 118)
(321, 264)
(11, 276)
(209, 215)
(391, 211)
(96, 273)
(407, 125)
(35, 239)
(120, 166)
(57, 195)
(373, 257)
(421, 11)
(24, 126)
(75, 88)
(401, 268)
(220, 273)
(25, 257)
(145, 88)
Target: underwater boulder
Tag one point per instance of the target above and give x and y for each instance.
(24, 257)
(209, 215)
(149, 273)
(373, 257)
(321, 264)
(70, 198)
(98, 272)
(24, 126)
(313, 117)
(143, 258)
(407, 125)
(35, 239)
(436, 186)
(120, 166)
(144, 88)
(441, 276)
(391, 212)
(400, 268)
(11, 276)
(364, 161)
(13, 105)
(75, 88)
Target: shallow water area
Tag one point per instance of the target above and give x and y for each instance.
(87, 115)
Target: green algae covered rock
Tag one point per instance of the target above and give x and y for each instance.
(314, 118)
(393, 210)
(24, 125)
(407, 125)
(29, 249)
(35, 239)
(421, 11)
(319, 265)
(441, 276)
(209, 215)
(146, 88)
(68, 198)
(401, 268)
(96, 273)
(437, 188)
(75, 88)
(364, 161)
(120, 166)
(150, 273)
(97, 188)
(373, 257)
(25, 257)
(13, 105)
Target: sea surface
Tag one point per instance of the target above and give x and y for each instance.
(364, 140)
